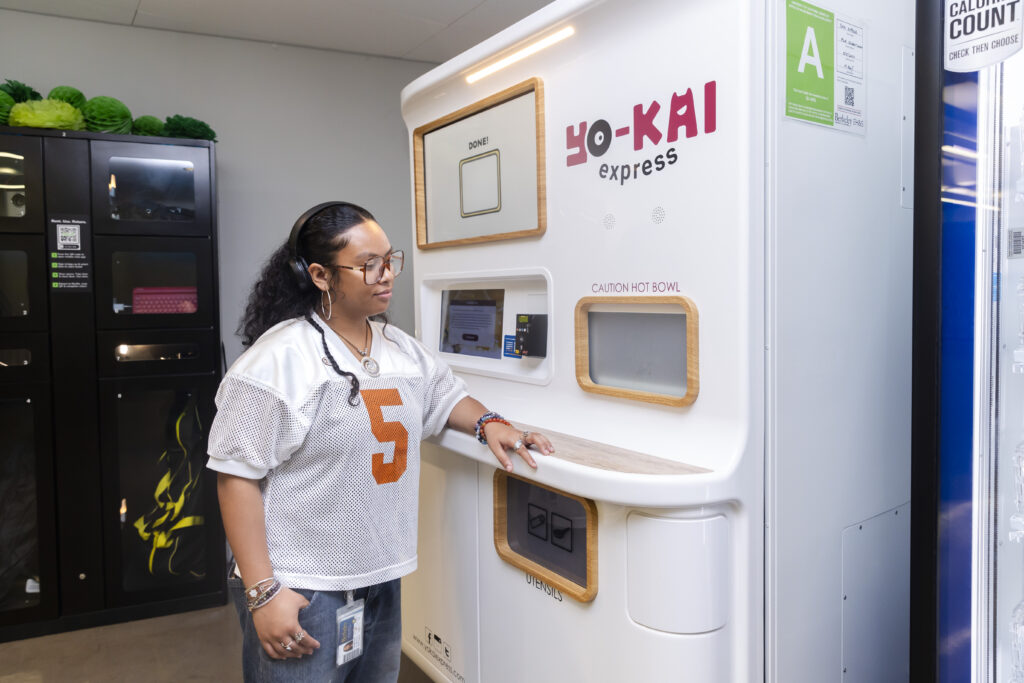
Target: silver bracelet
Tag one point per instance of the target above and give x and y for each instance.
(257, 597)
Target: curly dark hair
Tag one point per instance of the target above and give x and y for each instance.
(277, 296)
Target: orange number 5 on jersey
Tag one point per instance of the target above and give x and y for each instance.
(386, 432)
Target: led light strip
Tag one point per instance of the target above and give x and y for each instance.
(521, 54)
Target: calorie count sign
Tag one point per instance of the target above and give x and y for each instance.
(979, 33)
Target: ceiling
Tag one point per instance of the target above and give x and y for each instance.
(420, 30)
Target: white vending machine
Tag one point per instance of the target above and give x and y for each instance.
(676, 238)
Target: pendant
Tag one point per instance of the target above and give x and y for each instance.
(371, 367)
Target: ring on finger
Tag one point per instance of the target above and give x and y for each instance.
(299, 636)
(526, 435)
(517, 445)
(288, 646)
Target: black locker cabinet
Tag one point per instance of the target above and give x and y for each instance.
(108, 290)
(28, 549)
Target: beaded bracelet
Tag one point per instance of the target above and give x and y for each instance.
(484, 420)
(259, 587)
(266, 597)
(480, 425)
(252, 589)
(258, 595)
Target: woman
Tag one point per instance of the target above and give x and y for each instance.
(316, 445)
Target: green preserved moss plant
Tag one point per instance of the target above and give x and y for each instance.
(6, 102)
(148, 125)
(19, 91)
(107, 115)
(179, 126)
(65, 93)
(46, 114)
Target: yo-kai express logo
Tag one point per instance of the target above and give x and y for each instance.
(684, 115)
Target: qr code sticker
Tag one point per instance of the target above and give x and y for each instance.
(848, 96)
(69, 237)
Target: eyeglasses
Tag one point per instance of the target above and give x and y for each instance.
(373, 270)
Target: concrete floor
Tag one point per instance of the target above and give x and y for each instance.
(196, 646)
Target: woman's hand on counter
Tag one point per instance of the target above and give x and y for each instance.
(501, 438)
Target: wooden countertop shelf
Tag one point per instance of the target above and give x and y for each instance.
(605, 457)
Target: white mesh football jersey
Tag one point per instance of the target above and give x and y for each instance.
(340, 483)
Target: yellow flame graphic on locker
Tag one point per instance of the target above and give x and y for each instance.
(162, 524)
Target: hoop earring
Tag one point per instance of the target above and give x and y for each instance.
(330, 305)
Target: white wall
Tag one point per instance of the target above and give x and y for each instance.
(295, 126)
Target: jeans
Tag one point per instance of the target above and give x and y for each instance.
(382, 638)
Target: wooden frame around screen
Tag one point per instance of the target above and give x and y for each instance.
(692, 350)
(537, 87)
(538, 571)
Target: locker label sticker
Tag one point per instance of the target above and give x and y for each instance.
(70, 254)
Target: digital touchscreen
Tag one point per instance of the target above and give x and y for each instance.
(471, 321)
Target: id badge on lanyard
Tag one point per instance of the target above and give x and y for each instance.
(350, 630)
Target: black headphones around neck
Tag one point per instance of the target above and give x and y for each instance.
(298, 265)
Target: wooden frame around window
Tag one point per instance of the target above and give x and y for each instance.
(538, 571)
(692, 350)
(534, 85)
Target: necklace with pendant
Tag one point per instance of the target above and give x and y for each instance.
(369, 364)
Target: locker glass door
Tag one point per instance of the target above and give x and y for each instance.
(152, 282)
(147, 189)
(21, 184)
(23, 304)
(27, 563)
(160, 505)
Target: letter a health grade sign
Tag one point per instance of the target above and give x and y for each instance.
(981, 32)
(825, 68)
